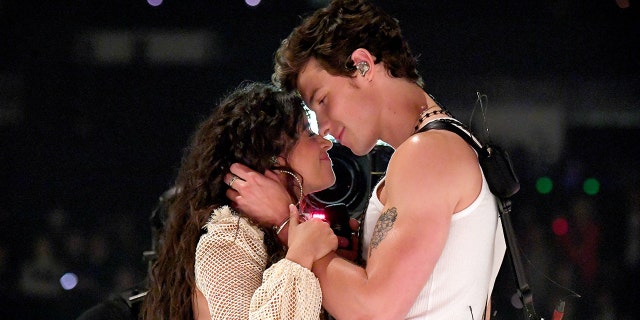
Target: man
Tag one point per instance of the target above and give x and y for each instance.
(432, 240)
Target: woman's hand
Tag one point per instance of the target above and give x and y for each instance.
(261, 197)
(309, 240)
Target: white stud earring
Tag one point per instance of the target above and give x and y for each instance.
(362, 67)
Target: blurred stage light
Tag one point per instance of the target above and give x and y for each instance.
(69, 281)
(623, 4)
(591, 186)
(154, 3)
(252, 3)
(560, 226)
(544, 185)
(318, 3)
(160, 46)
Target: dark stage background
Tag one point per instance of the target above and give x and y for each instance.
(98, 98)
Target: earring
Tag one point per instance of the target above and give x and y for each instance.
(362, 67)
(299, 184)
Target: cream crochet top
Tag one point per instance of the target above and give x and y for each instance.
(230, 272)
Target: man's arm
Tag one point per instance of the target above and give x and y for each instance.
(427, 181)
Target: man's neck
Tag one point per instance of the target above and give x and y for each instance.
(402, 109)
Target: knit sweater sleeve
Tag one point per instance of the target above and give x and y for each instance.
(230, 272)
(288, 291)
(228, 269)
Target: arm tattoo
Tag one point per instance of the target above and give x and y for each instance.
(383, 226)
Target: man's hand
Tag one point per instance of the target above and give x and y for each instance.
(259, 196)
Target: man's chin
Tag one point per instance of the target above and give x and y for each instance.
(357, 150)
(361, 150)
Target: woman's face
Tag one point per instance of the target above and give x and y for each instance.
(310, 159)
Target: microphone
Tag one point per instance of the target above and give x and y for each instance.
(558, 312)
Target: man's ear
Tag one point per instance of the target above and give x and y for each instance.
(364, 63)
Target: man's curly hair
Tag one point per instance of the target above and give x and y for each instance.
(332, 33)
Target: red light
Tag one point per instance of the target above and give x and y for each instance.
(318, 215)
(623, 4)
(560, 226)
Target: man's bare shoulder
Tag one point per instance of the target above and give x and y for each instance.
(435, 149)
(434, 166)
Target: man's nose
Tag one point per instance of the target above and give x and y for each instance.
(326, 143)
(323, 128)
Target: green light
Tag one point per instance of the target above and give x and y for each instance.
(544, 185)
(591, 186)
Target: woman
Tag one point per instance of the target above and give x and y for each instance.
(213, 261)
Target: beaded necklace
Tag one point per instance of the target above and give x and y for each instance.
(424, 114)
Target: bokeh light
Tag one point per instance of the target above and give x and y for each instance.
(544, 185)
(69, 281)
(154, 3)
(591, 186)
(560, 226)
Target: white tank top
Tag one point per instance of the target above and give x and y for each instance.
(465, 273)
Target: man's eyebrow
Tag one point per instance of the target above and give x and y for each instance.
(313, 96)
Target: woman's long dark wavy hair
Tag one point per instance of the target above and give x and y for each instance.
(251, 125)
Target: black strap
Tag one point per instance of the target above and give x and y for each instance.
(457, 128)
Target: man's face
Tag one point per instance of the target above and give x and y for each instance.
(342, 107)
